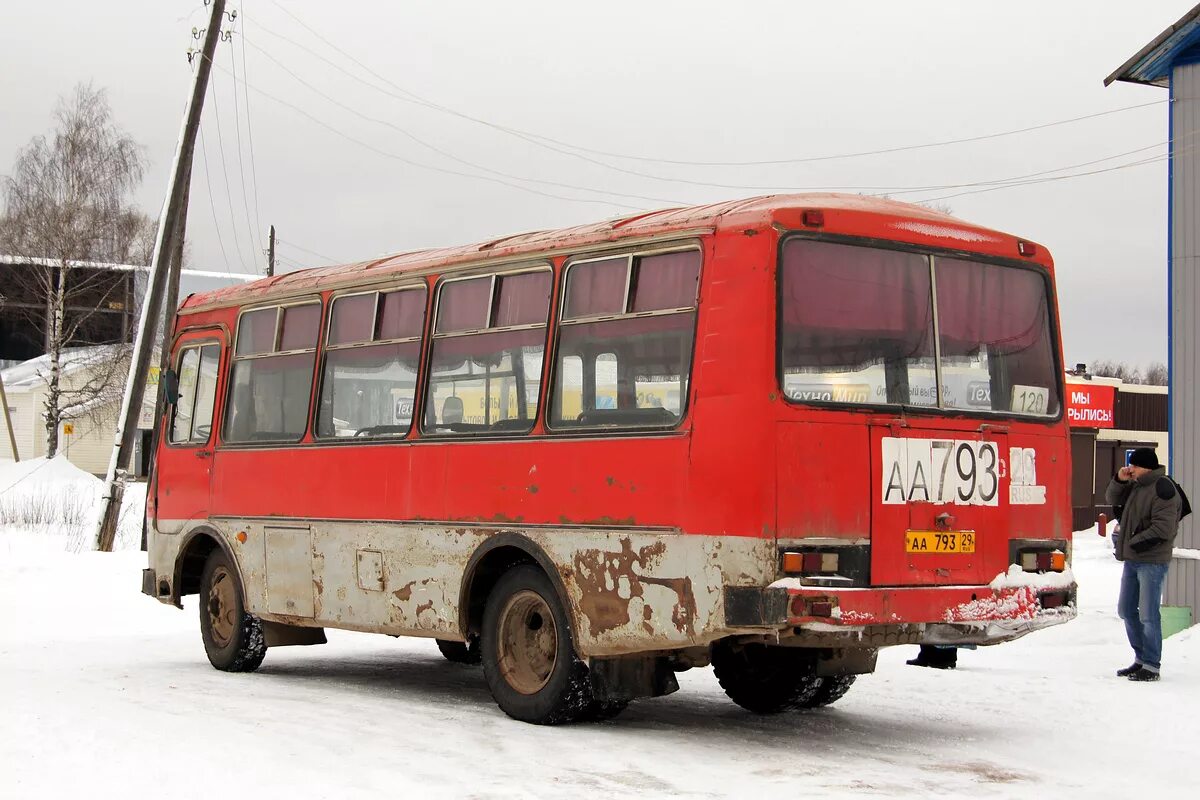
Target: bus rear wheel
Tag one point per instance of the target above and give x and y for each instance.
(768, 680)
(233, 639)
(528, 657)
(460, 652)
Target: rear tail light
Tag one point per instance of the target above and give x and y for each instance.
(1043, 561)
(813, 606)
(810, 563)
(1053, 599)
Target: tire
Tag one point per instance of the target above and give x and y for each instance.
(830, 691)
(233, 639)
(460, 652)
(529, 660)
(767, 680)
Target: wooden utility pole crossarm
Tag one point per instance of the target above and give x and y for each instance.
(169, 227)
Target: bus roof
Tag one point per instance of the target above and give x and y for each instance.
(846, 213)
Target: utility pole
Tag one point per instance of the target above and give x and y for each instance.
(271, 254)
(164, 247)
(12, 437)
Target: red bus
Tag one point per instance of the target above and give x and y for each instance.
(773, 435)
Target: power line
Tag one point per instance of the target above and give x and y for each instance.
(429, 167)
(295, 246)
(237, 245)
(875, 189)
(1151, 160)
(249, 129)
(409, 135)
(542, 139)
(211, 203)
(237, 122)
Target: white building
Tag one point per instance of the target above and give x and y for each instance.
(86, 435)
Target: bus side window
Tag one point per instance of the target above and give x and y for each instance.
(628, 323)
(372, 355)
(272, 372)
(489, 340)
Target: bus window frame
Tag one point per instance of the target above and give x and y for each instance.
(169, 418)
(278, 305)
(932, 253)
(651, 249)
(326, 347)
(425, 379)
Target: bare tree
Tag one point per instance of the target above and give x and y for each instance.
(66, 201)
(1116, 369)
(1156, 374)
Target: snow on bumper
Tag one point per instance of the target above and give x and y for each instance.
(1013, 604)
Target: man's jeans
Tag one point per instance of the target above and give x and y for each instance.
(1141, 593)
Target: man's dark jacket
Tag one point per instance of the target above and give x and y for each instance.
(1150, 519)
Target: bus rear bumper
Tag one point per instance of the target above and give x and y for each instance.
(947, 614)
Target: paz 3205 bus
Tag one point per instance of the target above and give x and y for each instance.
(772, 435)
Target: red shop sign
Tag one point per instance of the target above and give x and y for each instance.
(1090, 405)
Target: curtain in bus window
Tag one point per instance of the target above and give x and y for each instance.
(300, 326)
(847, 306)
(189, 370)
(256, 331)
(369, 391)
(522, 299)
(463, 305)
(666, 281)
(401, 314)
(596, 287)
(997, 347)
(351, 319)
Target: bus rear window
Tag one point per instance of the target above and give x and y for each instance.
(857, 326)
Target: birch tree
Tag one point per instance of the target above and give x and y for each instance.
(68, 199)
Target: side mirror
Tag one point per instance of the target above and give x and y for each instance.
(170, 386)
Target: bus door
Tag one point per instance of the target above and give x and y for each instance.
(937, 515)
(186, 439)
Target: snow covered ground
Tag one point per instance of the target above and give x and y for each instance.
(106, 693)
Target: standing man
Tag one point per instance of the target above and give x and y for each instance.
(1149, 521)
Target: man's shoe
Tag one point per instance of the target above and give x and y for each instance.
(920, 662)
(1143, 674)
(1132, 668)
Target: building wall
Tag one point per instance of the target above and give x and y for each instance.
(1183, 580)
(89, 448)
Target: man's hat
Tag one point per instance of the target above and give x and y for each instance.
(1144, 457)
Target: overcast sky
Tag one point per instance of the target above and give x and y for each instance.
(685, 81)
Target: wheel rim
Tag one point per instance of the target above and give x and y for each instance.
(222, 607)
(528, 642)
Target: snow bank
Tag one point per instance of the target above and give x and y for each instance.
(54, 499)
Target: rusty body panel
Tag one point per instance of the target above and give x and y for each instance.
(627, 591)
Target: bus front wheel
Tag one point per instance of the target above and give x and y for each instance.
(528, 657)
(233, 639)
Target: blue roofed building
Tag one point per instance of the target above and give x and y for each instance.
(1172, 62)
